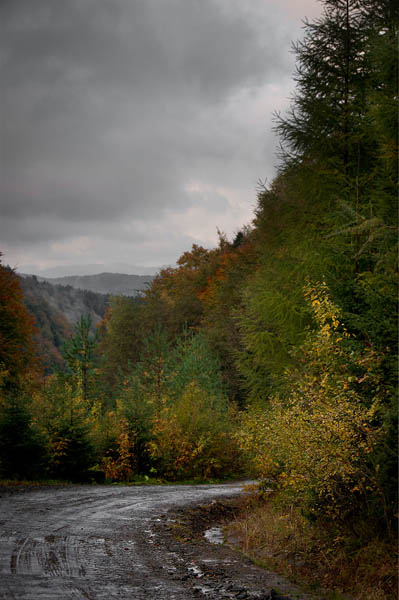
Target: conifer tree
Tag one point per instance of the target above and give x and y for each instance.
(79, 352)
(331, 75)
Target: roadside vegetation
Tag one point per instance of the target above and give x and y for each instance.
(277, 536)
(272, 355)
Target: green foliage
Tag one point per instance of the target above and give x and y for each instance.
(385, 460)
(318, 437)
(79, 354)
(272, 316)
(121, 335)
(70, 453)
(22, 448)
(65, 422)
(152, 404)
(331, 214)
(192, 360)
(136, 408)
(325, 123)
(151, 372)
(222, 300)
(192, 438)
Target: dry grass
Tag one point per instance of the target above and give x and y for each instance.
(280, 538)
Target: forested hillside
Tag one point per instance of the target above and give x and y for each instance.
(274, 354)
(56, 309)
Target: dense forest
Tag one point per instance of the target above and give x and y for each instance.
(273, 354)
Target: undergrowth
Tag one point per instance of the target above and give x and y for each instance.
(33, 483)
(277, 536)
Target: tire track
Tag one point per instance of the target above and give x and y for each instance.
(90, 542)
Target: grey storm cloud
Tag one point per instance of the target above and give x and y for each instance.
(109, 107)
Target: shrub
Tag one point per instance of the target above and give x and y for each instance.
(316, 439)
(192, 437)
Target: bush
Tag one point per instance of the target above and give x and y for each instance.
(193, 437)
(316, 440)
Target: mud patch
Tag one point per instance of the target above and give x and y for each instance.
(191, 523)
(212, 570)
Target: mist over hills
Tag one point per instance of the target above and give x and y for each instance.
(58, 303)
(66, 300)
(116, 284)
(87, 269)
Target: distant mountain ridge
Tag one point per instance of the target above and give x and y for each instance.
(116, 284)
(88, 269)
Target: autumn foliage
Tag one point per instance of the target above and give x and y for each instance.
(18, 360)
(316, 438)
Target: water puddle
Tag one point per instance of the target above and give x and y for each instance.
(150, 536)
(196, 571)
(218, 561)
(214, 535)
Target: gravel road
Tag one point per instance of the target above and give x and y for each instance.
(106, 542)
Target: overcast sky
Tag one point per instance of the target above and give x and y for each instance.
(131, 129)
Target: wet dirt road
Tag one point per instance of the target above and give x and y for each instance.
(119, 542)
(90, 542)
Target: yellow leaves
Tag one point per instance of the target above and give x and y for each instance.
(60, 447)
(118, 463)
(318, 439)
(190, 437)
(325, 330)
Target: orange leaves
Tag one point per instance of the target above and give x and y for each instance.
(117, 465)
(195, 258)
(18, 358)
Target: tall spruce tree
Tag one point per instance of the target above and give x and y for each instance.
(79, 354)
(331, 75)
(340, 149)
(339, 145)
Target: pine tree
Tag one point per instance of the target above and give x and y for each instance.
(328, 105)
(79, 353)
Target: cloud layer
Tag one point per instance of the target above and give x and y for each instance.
(131, 129)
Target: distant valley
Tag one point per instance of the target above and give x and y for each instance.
(58, 303)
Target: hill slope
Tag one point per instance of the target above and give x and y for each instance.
(56, 309)
(117, 284)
